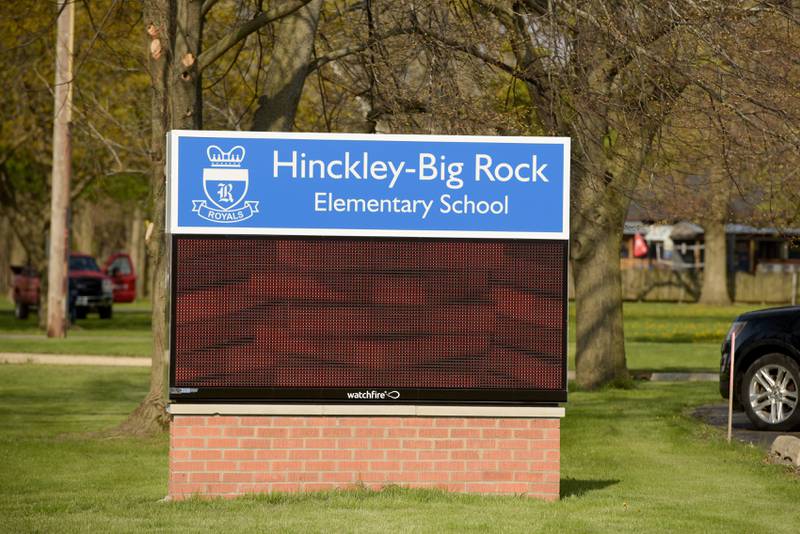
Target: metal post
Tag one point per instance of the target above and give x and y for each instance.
(730, 386)
(57, 266)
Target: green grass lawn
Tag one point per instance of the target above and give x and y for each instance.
(665, 322)
(672, 357)
(663, 336)
(127, 333)
(632, 461)
(659, 336)
(670, 322)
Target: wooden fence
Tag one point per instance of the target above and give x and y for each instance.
(684, 286)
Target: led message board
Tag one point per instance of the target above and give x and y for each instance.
(338, 268)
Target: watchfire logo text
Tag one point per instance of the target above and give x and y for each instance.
(373, 395)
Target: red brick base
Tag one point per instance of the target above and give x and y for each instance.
(233, 455)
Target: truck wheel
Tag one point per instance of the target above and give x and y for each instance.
(80, 313)
(21, 310)
(105, 312)
(770, 392)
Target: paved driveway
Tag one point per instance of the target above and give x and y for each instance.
(743, 430)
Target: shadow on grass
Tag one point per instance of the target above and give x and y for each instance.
(702, 337)
(129, 389)
(644, 373)
(573, 487)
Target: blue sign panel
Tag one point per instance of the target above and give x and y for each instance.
(368, 185)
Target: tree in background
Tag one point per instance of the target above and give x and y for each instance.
(608, 75)
(731, 161)
(107, 130)
(27, 58)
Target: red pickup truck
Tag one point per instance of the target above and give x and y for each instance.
(90, 288)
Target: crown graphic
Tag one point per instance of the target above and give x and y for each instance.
(220, 158)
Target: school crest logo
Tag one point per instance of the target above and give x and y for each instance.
(225, 184)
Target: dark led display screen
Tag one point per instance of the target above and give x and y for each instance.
(341, 320)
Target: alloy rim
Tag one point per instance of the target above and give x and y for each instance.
(773, 394)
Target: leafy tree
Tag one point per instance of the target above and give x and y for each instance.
(734, 160)
(106, 129)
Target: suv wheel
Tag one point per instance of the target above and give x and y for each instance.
(105, 312)
(770, 392)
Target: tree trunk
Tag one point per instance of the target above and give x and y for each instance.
(58, 257)
(83, 229)
(715, 269)
(6, 240)
(599, 205)
(147, 267)
(600, 351)
(136, 249)
(175, 104)
(288, 68)
(19, 256)
(184, 89)
(40, 266)
(151, 414)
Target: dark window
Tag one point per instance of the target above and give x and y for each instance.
(741, 256)
(120, 265)
(82, 263)
(768, 250)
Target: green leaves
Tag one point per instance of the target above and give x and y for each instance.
(610, 140)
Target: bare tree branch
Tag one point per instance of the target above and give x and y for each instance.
(476, 52)
(213, 52)
(207, 5)
(340, 53)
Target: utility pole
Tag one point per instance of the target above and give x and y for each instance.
(57, 265)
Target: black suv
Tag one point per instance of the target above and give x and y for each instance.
(767, 373)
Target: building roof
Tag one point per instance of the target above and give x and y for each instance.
(634, 227)
(686, 231)
(752, 230)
